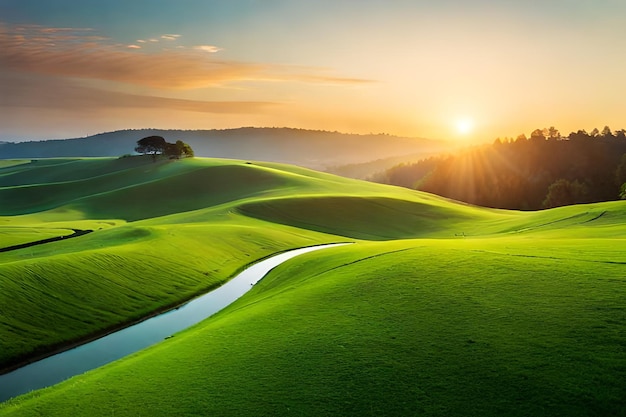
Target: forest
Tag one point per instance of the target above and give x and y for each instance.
(544, 170)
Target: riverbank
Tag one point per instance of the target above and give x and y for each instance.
(117, 344)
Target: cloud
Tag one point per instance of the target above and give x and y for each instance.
(170, 37)
(79, 53)
(35, 92)
(316, 76)
(55, 30)
(208, 48)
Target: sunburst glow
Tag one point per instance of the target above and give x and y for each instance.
(464, 126)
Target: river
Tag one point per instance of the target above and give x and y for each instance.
(116, 345)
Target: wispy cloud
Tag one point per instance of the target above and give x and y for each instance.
(170, 37)
(208, 48)
(24, 91)
(80, 53)
(54, 30)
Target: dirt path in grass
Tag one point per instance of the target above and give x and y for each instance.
(77, 233)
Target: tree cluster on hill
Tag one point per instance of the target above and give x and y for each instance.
(543, 171)
(157, 145)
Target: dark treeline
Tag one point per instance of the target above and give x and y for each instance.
(543, 171)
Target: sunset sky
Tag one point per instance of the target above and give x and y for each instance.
(471, 70)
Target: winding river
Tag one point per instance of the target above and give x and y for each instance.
(56, 368)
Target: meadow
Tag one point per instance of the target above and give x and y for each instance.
(438, 308)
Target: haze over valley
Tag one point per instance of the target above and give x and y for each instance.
(313, 149)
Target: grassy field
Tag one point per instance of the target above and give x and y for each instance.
(10, 236)
(437, 309)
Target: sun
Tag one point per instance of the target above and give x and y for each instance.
(464, 125)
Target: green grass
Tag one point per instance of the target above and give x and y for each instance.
(10, 236)
(6, 163)
(437, 309)
(359, 217)
(99, 281)
(403, 328)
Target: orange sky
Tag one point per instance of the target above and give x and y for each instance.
(414, 68)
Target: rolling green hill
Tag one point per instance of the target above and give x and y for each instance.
(439, 308)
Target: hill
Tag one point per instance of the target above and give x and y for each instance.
(369, 169)
(524, 174)
(309, 148)
(438, 308)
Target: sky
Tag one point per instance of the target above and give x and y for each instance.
(467, 70)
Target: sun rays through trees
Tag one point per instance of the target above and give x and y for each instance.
(528, 173)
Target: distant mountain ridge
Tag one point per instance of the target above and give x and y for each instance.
(310, 148)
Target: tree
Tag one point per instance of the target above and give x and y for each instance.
(157, 145)
(172, 150)
(178, 150)
(622, 193)
(537, 135)
(185, 149)
(620, 172)
(579, 135)
(563, 192)
(518, 174)
(553, 133)
(151, 145)
(606, 132)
